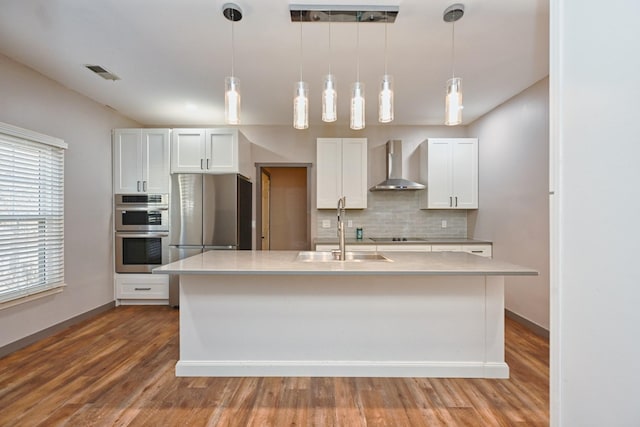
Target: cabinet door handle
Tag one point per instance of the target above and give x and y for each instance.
(476, 252)
(138, 185)
(450, 201)
(142, 289)
(207, 164)
(201, 163)
(144, 186)
(456, 201)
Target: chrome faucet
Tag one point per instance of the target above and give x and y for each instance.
(342, 202)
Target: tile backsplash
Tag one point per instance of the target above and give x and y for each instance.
(395, 214)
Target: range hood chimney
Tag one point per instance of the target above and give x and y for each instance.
(394, 180)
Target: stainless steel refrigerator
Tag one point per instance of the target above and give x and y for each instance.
(208, 212)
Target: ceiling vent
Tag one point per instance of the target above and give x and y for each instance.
(102, 72)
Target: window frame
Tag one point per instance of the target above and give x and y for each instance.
(36, 143)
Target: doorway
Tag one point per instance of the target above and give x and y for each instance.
(283, 206)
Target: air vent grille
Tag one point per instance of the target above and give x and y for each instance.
(102, 72)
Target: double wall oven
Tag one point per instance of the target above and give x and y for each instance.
(142, 232)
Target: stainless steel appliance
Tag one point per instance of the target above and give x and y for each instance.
(141, 252)
(142, 212)
(395, 180)
(142, 232)
(208, 212)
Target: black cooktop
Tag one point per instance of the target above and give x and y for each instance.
(398, 239)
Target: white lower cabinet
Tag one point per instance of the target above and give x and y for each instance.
(357, 248)
(404, 248)
(136, 289)
(481, 250)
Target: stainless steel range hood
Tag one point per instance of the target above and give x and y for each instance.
(394, 180)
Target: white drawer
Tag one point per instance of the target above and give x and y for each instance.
(142, 286)
(481, 250)
(360, 248)
(326, 248)
(446, 248)
(404, 248)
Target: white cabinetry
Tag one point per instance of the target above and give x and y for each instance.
(341, 171)
(145, 289)
(358, 248)
(141, 161)
(404, 248)
(476, 249)
(481, 250)
(449, 166)
(214, 151)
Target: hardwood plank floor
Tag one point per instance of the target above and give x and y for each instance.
(118, 370)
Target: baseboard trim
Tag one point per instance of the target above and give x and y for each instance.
(45, 333)
(311, 368)
(533, 327)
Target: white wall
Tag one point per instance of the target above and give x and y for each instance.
(514, 202)
(32, 101)
(595, 240)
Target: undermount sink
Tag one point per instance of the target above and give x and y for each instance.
(333, 256)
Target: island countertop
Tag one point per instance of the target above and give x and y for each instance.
(285, 262)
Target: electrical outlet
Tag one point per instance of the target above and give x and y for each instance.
(349, 223)
(444, 223)
(326, 223)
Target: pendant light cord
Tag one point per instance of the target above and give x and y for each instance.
(385, 41)
(330, 18)
(301, 45)
(233, 44)
(357, 48)
(453, 49)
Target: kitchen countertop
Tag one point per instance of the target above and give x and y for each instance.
(284, 262)
(426, 241)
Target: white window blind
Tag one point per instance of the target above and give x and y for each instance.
(31, 213)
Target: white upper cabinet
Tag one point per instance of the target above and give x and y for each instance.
(449, 167)
(341, 171)
(214, 151)
(141, 161)
(188, 150)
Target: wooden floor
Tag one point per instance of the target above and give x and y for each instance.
(118, 370)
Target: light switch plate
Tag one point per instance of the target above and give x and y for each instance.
(349, 223)
(326, 223)
(444, 223)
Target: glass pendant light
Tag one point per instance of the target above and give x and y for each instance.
(329, 92)
(301, 96)
(232, 100)
(357, 106)
(329, 99)
(453, 97)
(385, 98)
(357, 89)
(453, 101)
(232, 84)
(301, 106)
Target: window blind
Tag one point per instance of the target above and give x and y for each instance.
(31, 214)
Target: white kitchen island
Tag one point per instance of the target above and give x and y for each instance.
(264, 313)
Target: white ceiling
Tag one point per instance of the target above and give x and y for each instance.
(171, 54)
